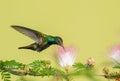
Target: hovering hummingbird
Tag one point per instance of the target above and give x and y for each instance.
(42, 41)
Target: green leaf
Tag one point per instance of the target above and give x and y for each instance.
(47, 71)
(117, 66)
(36, 65)
(5, 76)
(12, 64)
(79, 66)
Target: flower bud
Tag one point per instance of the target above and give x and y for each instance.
(106, 70)
(91, 62)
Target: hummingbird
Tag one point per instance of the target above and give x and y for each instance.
(42, 41)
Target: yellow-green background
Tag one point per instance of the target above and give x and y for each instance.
(92, 26)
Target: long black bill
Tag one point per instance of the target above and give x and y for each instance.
(63, 47)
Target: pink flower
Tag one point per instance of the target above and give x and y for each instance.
(66, 57)
(115, 53)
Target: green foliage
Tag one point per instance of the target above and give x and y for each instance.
(79, 66)
(5, 76)
(41, 68)
(38, 68)
(37, 65)
(117, 66)
(85, 70)
(47, 71)
(12, 64)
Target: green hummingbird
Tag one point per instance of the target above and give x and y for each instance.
(42, 41)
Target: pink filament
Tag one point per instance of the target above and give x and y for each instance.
(66, 58)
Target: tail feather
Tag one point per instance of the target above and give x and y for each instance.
(26, 47)
(31, 46)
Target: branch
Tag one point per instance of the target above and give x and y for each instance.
(36, 68)
(43, 68)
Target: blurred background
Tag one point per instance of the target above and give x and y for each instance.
(92, 26)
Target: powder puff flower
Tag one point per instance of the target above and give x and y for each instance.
(66, 57)
(115, 53)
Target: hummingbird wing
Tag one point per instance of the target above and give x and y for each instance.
(33, 34)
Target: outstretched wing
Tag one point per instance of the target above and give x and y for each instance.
(33, 34)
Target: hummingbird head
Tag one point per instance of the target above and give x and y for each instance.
(59, 41)
(56, 40)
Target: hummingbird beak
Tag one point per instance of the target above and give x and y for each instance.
(63, 47)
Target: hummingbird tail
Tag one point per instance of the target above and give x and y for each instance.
(25, 47)
(31, 46)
